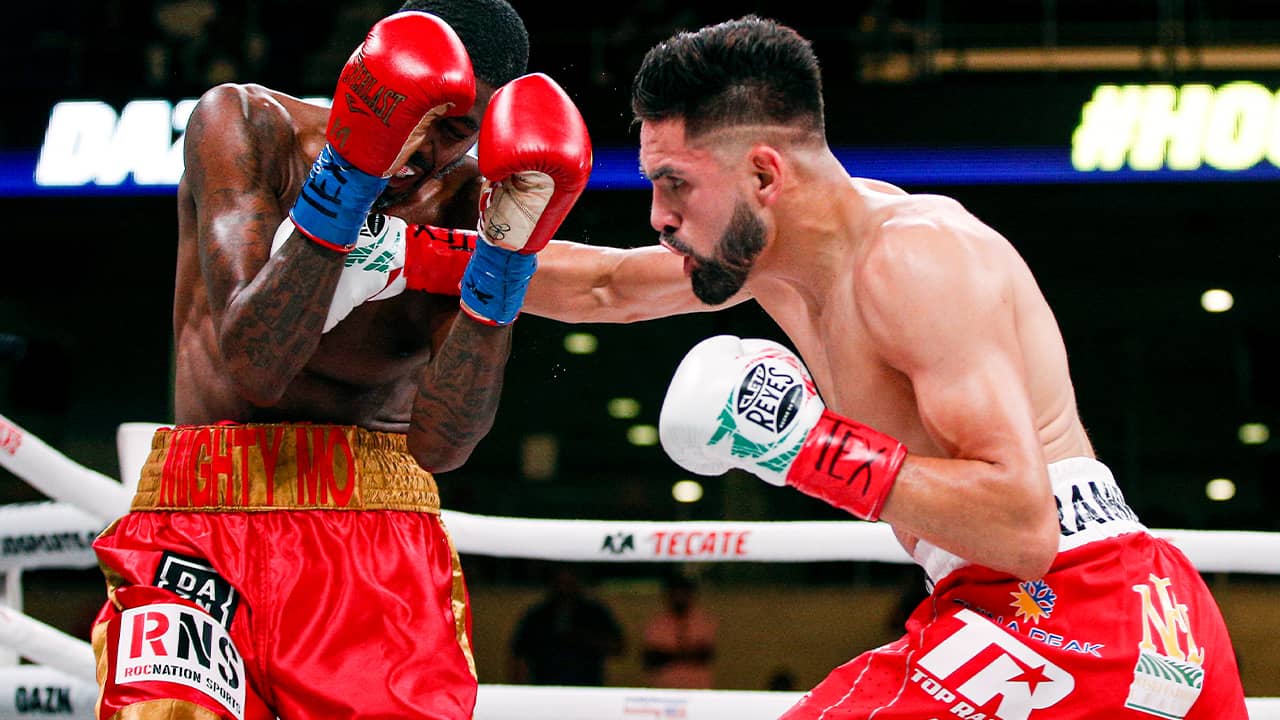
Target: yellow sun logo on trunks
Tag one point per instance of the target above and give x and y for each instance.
(1034, 600)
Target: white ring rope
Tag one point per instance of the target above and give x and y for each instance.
(59, 477)
(29, 690)
(46, 535)
(46, 645)
(557, 539)
(33, 691)
(57, 534)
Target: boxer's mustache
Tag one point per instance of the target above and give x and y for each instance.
(666, 238)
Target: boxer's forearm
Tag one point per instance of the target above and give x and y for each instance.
(580, 283)
(273, 326)
(1000, 515)
(267, 312)
(458, 394)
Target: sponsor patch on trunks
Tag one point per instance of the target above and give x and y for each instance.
(1169, 674)
(167, 642)
(193, 579)
(978, 665)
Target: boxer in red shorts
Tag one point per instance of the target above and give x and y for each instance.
(299, 569)
(1050, 599)
(284, 556)
(289, 571)
(1093, 638)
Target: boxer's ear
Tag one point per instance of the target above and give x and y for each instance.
(767, 167)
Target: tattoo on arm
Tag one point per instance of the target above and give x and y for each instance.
(270, 310)
(458, 394)
(282, 317)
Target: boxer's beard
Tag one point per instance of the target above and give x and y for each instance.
(717, 279)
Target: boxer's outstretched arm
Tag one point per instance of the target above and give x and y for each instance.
(580, 283)
(943, 313)
(268, 311)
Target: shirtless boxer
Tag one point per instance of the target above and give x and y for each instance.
(1049, 598)
(284, 556)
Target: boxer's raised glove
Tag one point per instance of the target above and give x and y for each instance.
(391, 256)
(535, 156)
(751, 404)
(410, 70)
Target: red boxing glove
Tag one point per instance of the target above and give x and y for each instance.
(410, 70)
(435, 258)
(535, 155)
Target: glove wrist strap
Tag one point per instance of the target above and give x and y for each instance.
(334, 201)
(494, 283)
(848, 465)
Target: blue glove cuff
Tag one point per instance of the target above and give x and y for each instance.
(494, 283)
(335, 200)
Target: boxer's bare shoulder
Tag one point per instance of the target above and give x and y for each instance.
(269, 112)
(872, 186)
(900, 222)
(245, 132)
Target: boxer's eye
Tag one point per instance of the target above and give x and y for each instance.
(457, 130)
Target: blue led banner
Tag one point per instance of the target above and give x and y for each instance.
(1124, 133)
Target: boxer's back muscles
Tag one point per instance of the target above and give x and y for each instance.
(247, 153)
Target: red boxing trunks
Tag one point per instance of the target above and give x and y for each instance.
(1121, 628)
(293, 571)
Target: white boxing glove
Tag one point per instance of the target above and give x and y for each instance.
(372, 270)
(736, 403)
(751, 404)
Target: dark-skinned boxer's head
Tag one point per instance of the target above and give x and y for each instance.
(492, 32)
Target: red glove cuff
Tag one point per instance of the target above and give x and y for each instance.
(848, 465)
(477, 316)
(435, 258)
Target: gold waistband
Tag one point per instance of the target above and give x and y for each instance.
(229, 467)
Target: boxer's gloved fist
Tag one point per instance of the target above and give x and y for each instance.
(391, 256)
(535, 156)
(751, 404)
(410, 70)
(736, 403)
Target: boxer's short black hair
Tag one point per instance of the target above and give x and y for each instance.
(748, 71)
(492, 31)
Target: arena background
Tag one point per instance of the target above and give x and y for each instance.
(979, 101)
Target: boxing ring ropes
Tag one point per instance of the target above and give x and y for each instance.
(59, 677)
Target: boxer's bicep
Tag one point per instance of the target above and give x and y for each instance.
(970, 387)
(574, 283)
(268, 311)
(948, 325)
